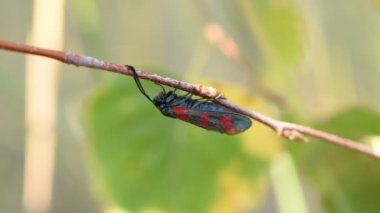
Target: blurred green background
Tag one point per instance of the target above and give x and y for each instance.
(311, 62)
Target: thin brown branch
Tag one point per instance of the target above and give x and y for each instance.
(288, 130)
(88, 61)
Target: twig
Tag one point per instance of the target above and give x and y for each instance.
(287, 130)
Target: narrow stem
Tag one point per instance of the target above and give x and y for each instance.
(288, 130)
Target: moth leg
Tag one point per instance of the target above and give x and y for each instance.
(162, 87)
(184, 98)
(201, 101)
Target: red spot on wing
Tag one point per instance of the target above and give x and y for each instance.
(225, 121)
(205, 120)
(181, 113)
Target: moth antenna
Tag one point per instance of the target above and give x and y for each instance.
(138, 83)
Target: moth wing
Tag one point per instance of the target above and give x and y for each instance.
(221, 121)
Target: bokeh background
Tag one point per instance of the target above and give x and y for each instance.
(314, 62)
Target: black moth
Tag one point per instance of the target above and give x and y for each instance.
(202, 113)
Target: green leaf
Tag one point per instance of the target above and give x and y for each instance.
(348, 181)
(144, 160)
